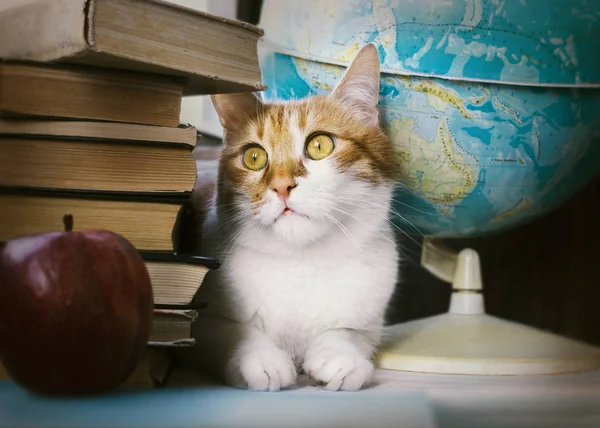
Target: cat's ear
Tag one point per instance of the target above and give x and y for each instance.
(358, 90)
(234, 110)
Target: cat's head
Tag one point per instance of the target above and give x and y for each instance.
(301, 169)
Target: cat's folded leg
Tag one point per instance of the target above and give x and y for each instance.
(340, 359)
(243, 356)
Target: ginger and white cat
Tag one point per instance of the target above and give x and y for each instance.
(300, 224)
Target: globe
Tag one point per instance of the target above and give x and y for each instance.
(493, 107)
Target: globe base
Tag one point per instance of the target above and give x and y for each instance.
(481, 345)
(467, 341)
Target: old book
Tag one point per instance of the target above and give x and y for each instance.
(176, 278)
(91, 164)
(183, 134)
(172, 325)
(79, 92)
(145, 220)
(213, 54)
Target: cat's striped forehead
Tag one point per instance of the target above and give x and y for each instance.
(280, 128)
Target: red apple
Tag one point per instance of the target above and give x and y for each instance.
(75, 310)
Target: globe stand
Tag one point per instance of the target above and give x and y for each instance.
(467, 341)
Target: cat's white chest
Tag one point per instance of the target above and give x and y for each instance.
(294, 298)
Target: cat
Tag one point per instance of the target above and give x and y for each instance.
(300, 223)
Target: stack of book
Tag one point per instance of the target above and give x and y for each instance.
(90, 99)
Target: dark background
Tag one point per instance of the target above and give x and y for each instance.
(249, 10)
(545, 274)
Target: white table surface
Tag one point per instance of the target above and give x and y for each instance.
(460, 401)
(399, 399)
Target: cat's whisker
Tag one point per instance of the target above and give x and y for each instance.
(401, 249)
(231, 235)
(405, 233)
(346, 232)
(226, 206)
(394, 225)
(358, 220)
(403, 186)
(404, 204)
(237, 237)
(374, 208)
(229, 239)
(354, 198)
(212, 205)
(239, 211)
(404, 252)
(236, 217)
(393, 211)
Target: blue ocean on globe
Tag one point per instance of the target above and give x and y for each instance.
(493, 106)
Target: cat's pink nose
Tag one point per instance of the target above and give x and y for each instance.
(283, 186)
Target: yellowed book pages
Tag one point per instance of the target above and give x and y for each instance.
(96, 165)
(27, 214)
(175, 283)
(186, 135)
(89, 93)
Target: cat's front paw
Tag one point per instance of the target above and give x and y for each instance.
(261, 369)
(339, 366)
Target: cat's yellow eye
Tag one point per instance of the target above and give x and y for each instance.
(319, 146)
(255, 158)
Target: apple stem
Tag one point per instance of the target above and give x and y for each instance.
(68, 222)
